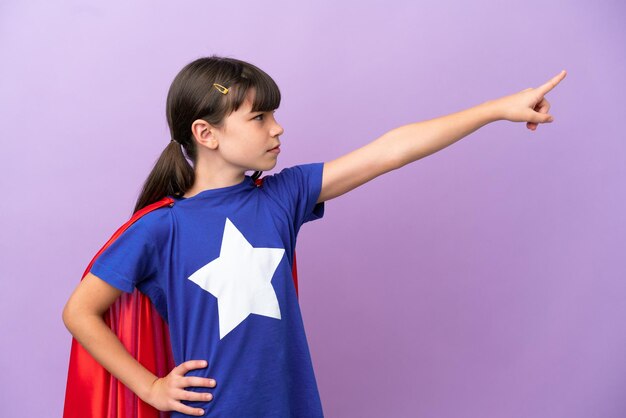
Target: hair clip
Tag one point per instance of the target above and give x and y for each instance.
(220, 88)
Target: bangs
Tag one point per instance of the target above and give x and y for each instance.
(267, 93)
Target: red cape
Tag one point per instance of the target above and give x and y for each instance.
(92, 392)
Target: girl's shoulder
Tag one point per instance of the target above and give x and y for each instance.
(158, 223)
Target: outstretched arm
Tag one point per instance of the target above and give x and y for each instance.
(409, 143)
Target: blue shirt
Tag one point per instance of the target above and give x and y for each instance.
(218, 268)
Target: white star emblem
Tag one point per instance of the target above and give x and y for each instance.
(240, 278)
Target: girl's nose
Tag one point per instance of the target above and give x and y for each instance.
(278, 130)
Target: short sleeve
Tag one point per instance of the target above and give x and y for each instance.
(298, 188)
(131, 258)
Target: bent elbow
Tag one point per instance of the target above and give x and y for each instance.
(66, 316)
(70, 315)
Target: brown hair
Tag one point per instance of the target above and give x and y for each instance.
(192, 96)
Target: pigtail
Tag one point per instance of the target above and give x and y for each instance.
(172, 175)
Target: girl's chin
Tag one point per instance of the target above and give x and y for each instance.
(266, 167)
(272, 164)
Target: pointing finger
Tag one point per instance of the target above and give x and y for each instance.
(552, 83)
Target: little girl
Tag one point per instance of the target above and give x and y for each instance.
(217, 262)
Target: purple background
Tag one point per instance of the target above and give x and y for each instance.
(486, 280)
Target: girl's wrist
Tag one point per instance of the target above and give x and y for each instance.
(145, 388)
(492, 110)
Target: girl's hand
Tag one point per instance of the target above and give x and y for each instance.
(528, 105)
(166, 392)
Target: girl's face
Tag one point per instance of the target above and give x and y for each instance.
(245, 140)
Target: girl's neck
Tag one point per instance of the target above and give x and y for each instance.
(205, 183)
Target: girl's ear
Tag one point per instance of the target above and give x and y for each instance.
(204, 134)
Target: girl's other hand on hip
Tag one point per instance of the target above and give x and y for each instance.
(166, 393)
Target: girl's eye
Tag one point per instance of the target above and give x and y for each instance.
(261, 115)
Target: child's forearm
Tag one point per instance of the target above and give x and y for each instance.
(411, 142)
(97, 338)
